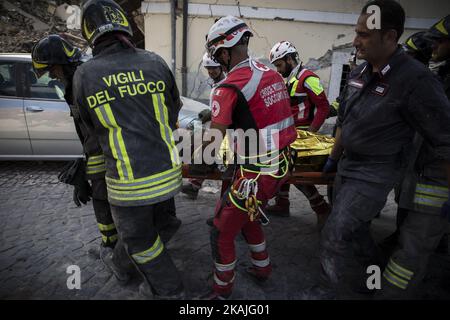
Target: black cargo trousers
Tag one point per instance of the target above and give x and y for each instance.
(141, 247)
(102, 212)
(420, 234)
(347, 230)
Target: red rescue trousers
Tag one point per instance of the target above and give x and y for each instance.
(228, 222)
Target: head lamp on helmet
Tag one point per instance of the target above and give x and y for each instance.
(100, 17)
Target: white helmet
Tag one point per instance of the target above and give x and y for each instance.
(207, 62)
(280, 49)
(225, 33)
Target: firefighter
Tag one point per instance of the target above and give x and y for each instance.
(419, 46)
(385, 100)
(216, 74)
(128, 99)
(252, 98)
(310, 108)
(55, 55)
(425, 194)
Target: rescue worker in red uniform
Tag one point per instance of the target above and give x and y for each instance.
(216, 75)
(310, 108)
(252, 97)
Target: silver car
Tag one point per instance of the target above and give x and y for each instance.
(35, 122)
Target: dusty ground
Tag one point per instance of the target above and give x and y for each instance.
(42, 232)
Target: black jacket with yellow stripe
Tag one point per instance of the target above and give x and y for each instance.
(95, 160)
(128, 98)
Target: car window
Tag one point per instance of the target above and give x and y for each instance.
(45, 87)
(7, 79)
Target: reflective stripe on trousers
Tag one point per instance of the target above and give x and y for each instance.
(397, 275)
(223, 283)
(430, 195)
(225, 267)
(257, 247)
(149, 254)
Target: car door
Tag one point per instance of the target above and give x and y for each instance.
(51, 128)
(14, 137)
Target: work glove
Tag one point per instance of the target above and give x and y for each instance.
(205, 115)
(445, 210)
(74, 174)
(330, 166)
(82, 193)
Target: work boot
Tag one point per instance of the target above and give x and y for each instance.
(190, 190)
(147, 293)
(167, 231)
(122, 276)
(253, 273)
(212, 295)
(280, 208)
(104, 251)
(101, 251)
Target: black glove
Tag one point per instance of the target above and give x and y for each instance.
(82, 193)
(330, 166)
(75, 174)
(445, 211)
(205, 115)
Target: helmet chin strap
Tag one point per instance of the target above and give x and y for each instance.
(125, 40)
(229, 61)
(288, 68)
(217, 79)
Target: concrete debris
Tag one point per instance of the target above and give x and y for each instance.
(61, 12)
(325, 60)
(51, 8)
(38, 25)
(23, 23)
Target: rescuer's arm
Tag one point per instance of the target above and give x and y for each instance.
(317, 96)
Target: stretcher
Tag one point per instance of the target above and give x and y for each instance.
(311, 150)
(296, 177)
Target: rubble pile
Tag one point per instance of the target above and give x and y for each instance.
(23, 23)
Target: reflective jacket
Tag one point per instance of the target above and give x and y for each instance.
(262, 104)
(95, 160)
(309, 103)
(128, 99)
